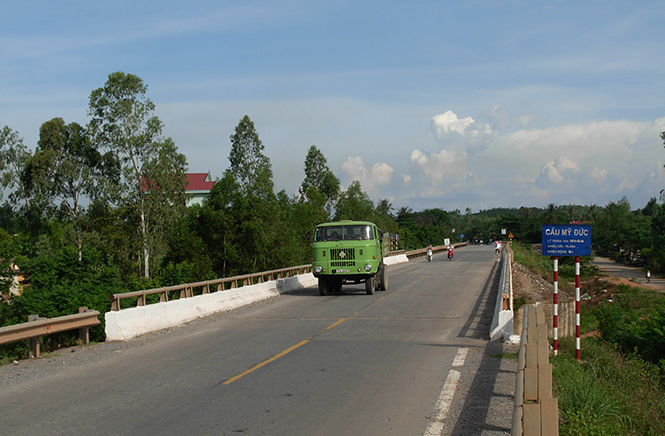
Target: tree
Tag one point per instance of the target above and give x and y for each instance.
(152, 171)
(354, 204)
(13, 160)
(255, 207)
(384, 207)
(320, 184)
(250, 168)
(550, 214)
(65, 169)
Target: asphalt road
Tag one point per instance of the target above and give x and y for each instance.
(413, 360)
(629, 272)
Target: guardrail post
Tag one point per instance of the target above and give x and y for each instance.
(34, 342)
(84, 334)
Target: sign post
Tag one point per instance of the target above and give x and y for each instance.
(566, 240)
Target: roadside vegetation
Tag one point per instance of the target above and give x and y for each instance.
(618, 386)
(96, 209)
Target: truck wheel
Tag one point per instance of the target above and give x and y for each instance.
(324, 286)
(370, 284)
(337, 286)
(383, 278)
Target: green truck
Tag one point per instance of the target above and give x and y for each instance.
(350, 252)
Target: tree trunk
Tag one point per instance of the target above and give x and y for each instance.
(146, 252)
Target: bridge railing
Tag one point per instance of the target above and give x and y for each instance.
(205, 287)
(200, 288)
(536, 411)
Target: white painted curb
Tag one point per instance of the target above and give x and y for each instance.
(129, 323)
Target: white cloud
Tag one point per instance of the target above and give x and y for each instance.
(439, 166)
(370, 179)
(591, 163)
(448, 122)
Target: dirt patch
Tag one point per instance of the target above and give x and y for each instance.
(533, 287)
(623, 281)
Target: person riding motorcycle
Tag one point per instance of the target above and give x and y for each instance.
(450, 251)
(429, 252)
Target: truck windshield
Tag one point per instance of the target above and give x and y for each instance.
(344, 233)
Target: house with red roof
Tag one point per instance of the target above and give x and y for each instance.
(198, 187)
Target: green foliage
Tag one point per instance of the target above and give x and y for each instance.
(587, 408)
(320, 188)
(608, 392)
(417, 229)
(635, 322)
(354, 204)
(59, 285)
(152, 175)
(250, 168)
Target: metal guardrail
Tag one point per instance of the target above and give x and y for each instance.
(536, 411)
(37, 327)
(188, 290)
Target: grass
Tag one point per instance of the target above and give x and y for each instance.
(607, 392)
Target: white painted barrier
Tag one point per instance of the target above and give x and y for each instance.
(393, 260)
(129, 323)
(502, 322)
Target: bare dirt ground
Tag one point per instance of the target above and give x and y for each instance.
(532, 286)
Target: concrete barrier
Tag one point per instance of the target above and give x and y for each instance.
(129, 323)
(502, 322)
(393, 260)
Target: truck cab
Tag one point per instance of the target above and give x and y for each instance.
(349, 252)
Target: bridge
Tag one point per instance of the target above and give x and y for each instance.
(412, 360)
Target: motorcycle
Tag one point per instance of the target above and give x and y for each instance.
(450, 254)
(429, 254)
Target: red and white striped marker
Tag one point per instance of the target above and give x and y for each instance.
(555, 307)
(577, 307)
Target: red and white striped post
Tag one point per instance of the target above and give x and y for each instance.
(555, 307)
(577, 307)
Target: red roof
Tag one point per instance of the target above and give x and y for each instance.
(199, 182)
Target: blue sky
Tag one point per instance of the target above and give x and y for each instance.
(476, 104)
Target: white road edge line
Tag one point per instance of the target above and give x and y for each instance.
(460, 357)
(446, 397)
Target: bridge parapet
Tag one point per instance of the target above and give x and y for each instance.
(536, 411)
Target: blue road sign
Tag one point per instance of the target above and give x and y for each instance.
(566, 240)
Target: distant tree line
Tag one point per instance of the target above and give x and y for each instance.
(100, 209)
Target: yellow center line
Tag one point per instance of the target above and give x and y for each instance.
(282, 354)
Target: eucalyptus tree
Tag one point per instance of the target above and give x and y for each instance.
(67, 171)
(250, 167)
(256, 206)
(320, 185)
(14, 157)
(152, 172)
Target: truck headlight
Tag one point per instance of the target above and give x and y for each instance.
(318, 269)
(368, 267)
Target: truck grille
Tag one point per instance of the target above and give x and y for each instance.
(342, 257)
